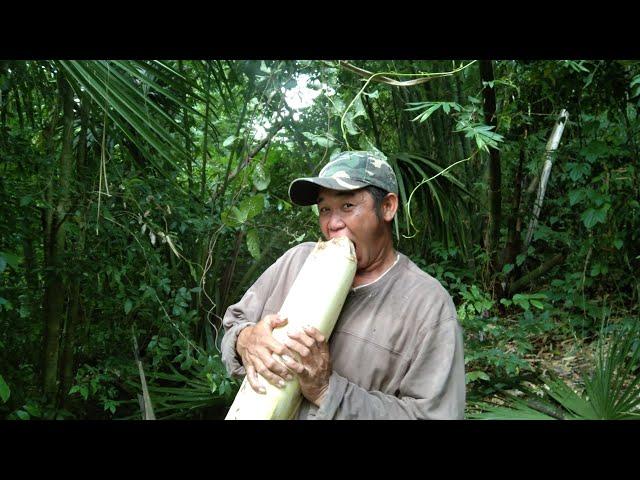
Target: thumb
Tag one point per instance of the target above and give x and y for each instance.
(277, 321)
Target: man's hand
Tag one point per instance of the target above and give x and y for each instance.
(256, 347)
(314, 364)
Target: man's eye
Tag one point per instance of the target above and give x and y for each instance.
(348, 205)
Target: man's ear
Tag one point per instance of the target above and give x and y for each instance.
(389, 206)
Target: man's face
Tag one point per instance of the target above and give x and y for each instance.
(352, 215)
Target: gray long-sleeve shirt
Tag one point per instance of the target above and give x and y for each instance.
(396, 349)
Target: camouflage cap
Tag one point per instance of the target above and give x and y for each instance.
(346, 171)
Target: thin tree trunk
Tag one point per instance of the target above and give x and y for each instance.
(552, 146)
(228, 274)
(495, 179)
(16, 98)
(185, 123)
(512, 247)
(372, 118)
(73, 319)
(205, 144)
(55, 243)
(464, 141)
(31, 275)
(535, 274)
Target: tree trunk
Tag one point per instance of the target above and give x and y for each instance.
(534, 274)
(185, 123)
(372, 118)
(205, 145)
(53, 302)
(73, 319)
(495, 193)
(552, 146)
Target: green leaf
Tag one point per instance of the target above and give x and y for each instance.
(253, 243)
(3, 263)
(6, 304)
(260, 177)
(5, 391)
(26, 200)
(359, 107)
(233, 217)
(576, 196)
(127, 306)
(22, 415)
(252, 206)
(537, 303)
(11, 259)
(348, 122)
(507, 268)
(432, 107)
(578, 170)
(473, 376)
(618, 243)
(326, 141)
(229, 140)
(593, 216)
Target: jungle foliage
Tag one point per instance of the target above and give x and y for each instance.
(141, 198)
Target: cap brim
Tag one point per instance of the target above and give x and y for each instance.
(304, 191)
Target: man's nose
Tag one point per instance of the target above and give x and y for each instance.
(335, 221)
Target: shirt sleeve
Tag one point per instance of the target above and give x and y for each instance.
(433, 387)
(241, 315)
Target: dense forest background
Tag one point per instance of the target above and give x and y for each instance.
(141, 198)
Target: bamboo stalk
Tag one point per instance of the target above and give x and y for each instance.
(552, 146)
(316, 298)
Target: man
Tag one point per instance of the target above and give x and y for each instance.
(396, 351)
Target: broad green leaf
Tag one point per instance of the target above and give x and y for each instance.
(507, 268)
(593, 216)
(6, 304)
(473, 376)
(324, 141)
(229, 141)
(578, 170)
(11, 259)
(26, 200)
(359, 107)
(233, 217)
(5, 391)
(576, 196)
(349, 124)
(618, 243)
(260, 177)
(251, 206)
(537, 304)
(127, 306)
(22, 415)
(253, 243)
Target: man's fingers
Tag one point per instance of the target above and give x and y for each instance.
(292, 364)
(314, 333)
(254, 380)
(268, 375)
(298, 347)
(275, 346)
(276, 321)
(280, 359)
(302, 338)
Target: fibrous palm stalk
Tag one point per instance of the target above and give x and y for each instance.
(316, 299)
